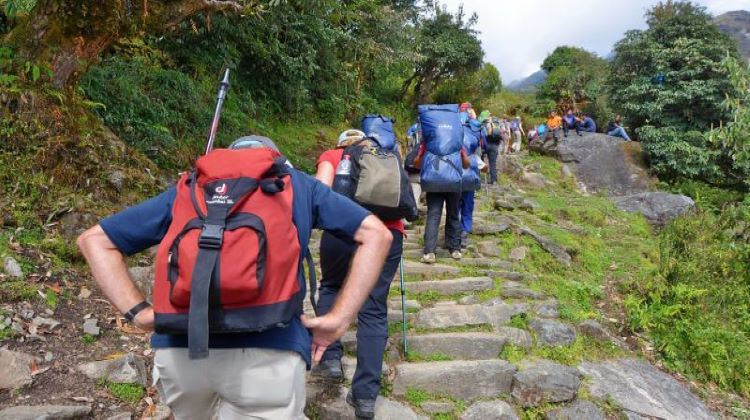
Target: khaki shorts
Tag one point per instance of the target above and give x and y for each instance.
(232, 384)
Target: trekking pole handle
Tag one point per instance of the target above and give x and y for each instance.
(220, 96)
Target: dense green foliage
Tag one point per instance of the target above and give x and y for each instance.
(446, 45)
(298, 64)
(697, 306)
(669, 84)
(575, 80)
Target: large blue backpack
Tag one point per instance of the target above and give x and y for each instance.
(442, 134)
(380, 128)
(471, 180)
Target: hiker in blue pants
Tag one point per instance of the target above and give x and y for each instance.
(474, 141)
(372, 321)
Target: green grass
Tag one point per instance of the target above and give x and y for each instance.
(513, 354)
(17, 291)
(51, 298)
(128, 393)
(520, 321)
(435, 357)
(88, 339)
(584, 348)
(417, 397)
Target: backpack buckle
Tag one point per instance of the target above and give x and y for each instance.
(212, 236)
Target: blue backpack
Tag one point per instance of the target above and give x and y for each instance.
(471, 180)
(442, 134)
(380, 128)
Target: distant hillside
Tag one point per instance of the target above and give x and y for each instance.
(737, 25)
(529, 83)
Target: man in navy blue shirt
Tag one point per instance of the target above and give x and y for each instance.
(588, 125)
(247, 375)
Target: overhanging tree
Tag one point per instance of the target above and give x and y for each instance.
(66, 36)
(668, 83)
(446, 45)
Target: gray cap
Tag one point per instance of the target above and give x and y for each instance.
(253, 142)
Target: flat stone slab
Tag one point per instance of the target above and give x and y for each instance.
(128, 369)
(511, 289)
(548, 309)
(460, 379)
(451, 287)
(641, 388)
(444, 316)
(543, 381)
(37, 412)
(560, 254)
(508, 275)
(516, 336)
(578, 410)
(489, 249)
(385, 409)
(15, 369)
(437, 407)
(459, 346)
(414, 268)
(487, 263)
(553, 333)
(489, 228)
(349, 365)
(485, 410)
(500, 314)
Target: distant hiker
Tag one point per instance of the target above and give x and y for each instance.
(414, 135)
(246, 212)
(587, 124)
(554, 125)
(516, 129)
(474, 139)
(570, 121)
(441, 158)
(463, 112)
(505, 134)
(615, 129)
(492, 128)
(336, 258)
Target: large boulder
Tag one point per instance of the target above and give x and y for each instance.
(640, 388)
(602, 162)
(659, 208)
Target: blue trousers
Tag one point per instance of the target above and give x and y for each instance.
(372, 320)
(467, 211)
(619, 132)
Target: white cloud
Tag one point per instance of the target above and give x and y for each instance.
(518, 35)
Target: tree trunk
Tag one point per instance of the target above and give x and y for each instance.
(67, 36)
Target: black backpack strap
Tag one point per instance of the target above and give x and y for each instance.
(313, 282)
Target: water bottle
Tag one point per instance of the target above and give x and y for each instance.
(343, 181)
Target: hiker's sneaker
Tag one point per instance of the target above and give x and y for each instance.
(329, 369)
(428, 258)
(363, 409)
(456, 255)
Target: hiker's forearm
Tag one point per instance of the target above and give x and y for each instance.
(109, 269)
(375, 242)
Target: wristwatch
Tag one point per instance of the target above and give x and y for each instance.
(130, 315)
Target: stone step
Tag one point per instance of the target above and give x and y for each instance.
(462, 379)
(544, 381)
(553, 333)
(486, 263)
(446, 316)
(449, 287)
(512, 289)
(509, 275)
(414, 268)
(385, 409)
(417, 253)
(349, 365)
(459, 346)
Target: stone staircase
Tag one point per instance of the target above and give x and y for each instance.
(461, 315)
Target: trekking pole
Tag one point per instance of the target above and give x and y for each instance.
(220, 96)
(403, 309)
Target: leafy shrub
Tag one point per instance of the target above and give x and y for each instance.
(697, 307)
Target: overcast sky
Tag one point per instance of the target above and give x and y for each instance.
(518, 34)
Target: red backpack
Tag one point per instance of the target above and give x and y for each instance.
(230, 260)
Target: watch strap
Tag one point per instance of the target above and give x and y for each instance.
(130, 315)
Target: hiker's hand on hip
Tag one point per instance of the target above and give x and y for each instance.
(145, 319)
(325, 330)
